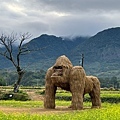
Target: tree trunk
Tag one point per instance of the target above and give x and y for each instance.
(17, 84)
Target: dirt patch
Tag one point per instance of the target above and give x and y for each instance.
(13, 110)
(34, 96)
(35, 110)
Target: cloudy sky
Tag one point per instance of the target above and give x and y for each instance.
(59, 17)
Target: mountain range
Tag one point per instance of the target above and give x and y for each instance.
(101, 52)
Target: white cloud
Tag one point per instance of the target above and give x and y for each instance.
(59, 17)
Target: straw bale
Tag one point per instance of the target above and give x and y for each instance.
(63, 61)
(77, 84)
(92, 86)
(71, 78)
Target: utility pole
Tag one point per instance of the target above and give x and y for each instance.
(81, 60)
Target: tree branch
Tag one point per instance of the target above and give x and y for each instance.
(20, 46)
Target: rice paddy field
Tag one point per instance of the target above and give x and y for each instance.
(34, 110)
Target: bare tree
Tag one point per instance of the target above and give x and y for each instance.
(7, 41)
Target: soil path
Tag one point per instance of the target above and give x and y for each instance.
(10, 110)
(34, 96)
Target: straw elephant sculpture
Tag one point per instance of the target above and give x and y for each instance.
(71, 78)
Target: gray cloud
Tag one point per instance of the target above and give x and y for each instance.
(59, 17)
(80, 5)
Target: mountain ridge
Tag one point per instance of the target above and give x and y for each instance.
(101, 52)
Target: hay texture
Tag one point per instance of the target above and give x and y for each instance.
(71, 78)
(92, 86)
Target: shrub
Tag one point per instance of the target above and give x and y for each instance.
(111, 88)
(9, 95)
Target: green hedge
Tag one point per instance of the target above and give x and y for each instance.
(87, 99)
(9, 95)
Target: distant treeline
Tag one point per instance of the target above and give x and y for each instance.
(110, 82)
(37, 78)
(31, 78)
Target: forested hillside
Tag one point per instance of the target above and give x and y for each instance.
(101, 53)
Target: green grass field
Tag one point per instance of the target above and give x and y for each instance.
(110, 110)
